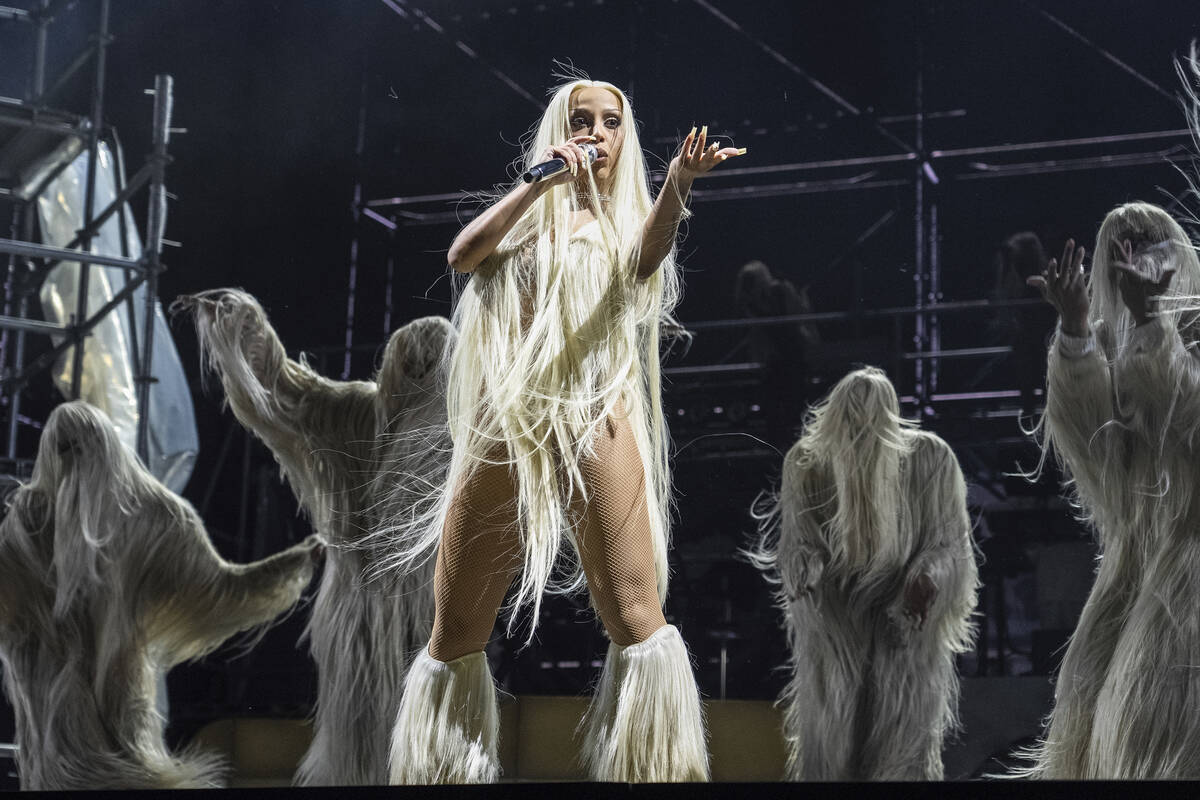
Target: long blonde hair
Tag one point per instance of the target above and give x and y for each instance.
(555, 332)
(857, 435)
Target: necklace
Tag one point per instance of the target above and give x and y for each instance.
(585, 200)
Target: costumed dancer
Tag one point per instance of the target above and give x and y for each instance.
(343, 447)
(1122, 418)
(871, 546)
(560, 451)
(107, 580)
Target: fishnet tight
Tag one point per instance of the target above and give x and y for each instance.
(480, 551)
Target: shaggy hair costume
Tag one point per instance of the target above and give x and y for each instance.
(1122, 418)
(343, 447)
(107, 580)
(878, 580)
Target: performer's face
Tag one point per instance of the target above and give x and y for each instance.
(597, 111)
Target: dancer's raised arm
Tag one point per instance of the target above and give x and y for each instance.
(1079, 383)
(315, 427)
(196, 599)
(1160, 374)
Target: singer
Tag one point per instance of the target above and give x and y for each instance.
(559, 471)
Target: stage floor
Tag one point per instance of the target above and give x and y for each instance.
(537, 736)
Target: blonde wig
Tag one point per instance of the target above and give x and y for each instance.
(107, 580)
(1122, 420)
(343, 447)
(868, 505)
(555, 331)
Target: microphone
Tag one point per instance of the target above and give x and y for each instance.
(557, 166)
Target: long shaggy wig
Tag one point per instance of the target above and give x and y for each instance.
(868, 504)
(555, 330)
(107, 580)
(360, 456)
(1122, 421)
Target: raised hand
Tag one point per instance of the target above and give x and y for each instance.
(697, 156)
(1141, 289)
(1062, 285)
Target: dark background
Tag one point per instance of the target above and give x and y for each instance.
(275, 95)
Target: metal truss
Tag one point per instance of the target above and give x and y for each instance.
(27, 259)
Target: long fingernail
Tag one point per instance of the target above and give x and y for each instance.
(741, 151)
(693, 133)
(704, 131)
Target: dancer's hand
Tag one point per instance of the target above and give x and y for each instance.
(1140, 289)
(571, 152)
(806, 569)
(919, 594)
(814, 568)
(906, 615)
(698, 156)
(315, 546)
(1062, 285)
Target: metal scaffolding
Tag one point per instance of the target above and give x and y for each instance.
(927, 171)
(38, 128)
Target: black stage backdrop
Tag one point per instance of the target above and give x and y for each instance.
(277, 96)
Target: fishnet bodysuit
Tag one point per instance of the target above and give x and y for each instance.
(481, 553)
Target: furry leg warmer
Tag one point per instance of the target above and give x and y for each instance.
(645, 722)
(448, 724)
